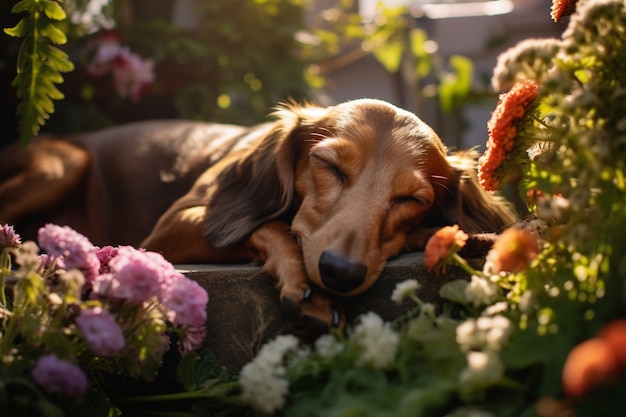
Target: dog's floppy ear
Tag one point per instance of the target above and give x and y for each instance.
(468, 204)
(259, 187)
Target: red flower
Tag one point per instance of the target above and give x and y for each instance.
(502, 128)
(444, 243)
(562, 8)
(514, 250)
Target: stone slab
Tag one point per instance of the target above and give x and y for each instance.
(244, 310)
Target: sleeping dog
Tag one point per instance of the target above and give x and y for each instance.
(321, 196)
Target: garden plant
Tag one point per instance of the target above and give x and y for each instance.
(539, 329)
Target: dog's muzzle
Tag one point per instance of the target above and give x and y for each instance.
(340, 274)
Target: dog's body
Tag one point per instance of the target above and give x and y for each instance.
(320, 194)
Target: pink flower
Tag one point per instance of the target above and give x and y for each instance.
(192, 339)
(108, 48)
(105, 254)
(71, 248)
(102, 333)
(135, 275)
(186, 301)
(59, 376)
(8, 237)
(132, 75)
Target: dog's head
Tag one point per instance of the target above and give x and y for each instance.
(356, 181)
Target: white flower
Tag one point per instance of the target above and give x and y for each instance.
(483, 369)
(263, 382)
(428, 310)
(498, 333)
(484, 332)
(481, 291)
(327, 346)
(496, 308)
(377, 340)
(404, 289)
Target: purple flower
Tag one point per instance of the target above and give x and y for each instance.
(57, 375)
(186, 301)
(8, 237)
(73, 249)
(102, 333)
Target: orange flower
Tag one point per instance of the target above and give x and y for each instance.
(589, 365)
(562, 8)
(502, 128)
(444, 243)
(514, 250)
(614, 334)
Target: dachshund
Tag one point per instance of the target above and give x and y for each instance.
(322, 197)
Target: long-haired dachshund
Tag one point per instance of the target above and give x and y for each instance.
(319, 195)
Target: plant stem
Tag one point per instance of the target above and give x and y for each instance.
(5, 265)
(465, 266)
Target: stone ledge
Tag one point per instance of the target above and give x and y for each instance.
(244, 310)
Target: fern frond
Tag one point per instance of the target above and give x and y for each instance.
(40, 64)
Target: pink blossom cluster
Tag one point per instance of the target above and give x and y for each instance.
(125, 275)
(132, 75)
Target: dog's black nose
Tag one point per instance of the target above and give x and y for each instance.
(340, 274)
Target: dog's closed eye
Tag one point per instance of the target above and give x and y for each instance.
(330, 167)
(412, 199)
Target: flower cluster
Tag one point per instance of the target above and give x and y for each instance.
(132, 75)
(79, 312)
(504, 134)
(541, 322)
(263, 381)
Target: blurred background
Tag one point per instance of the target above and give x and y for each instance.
(232, 61)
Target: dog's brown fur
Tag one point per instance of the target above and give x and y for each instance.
(321, 195)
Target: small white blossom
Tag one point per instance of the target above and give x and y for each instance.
(377, 340)
(428, 310)
(328, 347)
(483, 369)
(405, 289)
(263, 382)
(481, 291)
(485, 332)
(496, 308)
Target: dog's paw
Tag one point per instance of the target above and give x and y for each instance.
(321, 313)
(293, 300)
(317, 309)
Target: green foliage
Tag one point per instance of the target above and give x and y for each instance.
(392, 40)
(239, 61)
(40, 64)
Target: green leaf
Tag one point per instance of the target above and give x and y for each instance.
(186, 370)
(39, 63)
(53, 10)
(19, 30)
(422, 58)
(50, 31)
(390, 55)
(23, 6)
(455, 86)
